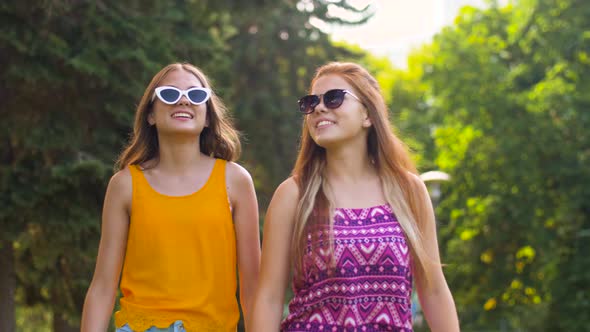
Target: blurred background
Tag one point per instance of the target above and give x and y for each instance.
(493, 95)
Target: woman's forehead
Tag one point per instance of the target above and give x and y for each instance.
(329, 82)
(181, 79)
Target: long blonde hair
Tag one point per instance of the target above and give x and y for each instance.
(219, 139)
(392, 162)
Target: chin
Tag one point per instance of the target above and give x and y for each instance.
(183, 131)
(327, 142)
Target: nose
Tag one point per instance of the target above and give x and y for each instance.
(183, 100)
(321, 108)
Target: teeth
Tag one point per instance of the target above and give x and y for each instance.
(182, 115)
(324, 123)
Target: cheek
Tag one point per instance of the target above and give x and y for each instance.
(310, 129)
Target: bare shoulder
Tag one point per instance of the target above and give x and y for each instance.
(121, 181)
(282, 209)
(287, 190)
(237, 174)
(239, 184)
(418, 184)
(285, 199)
(422, 198)
(120, 187)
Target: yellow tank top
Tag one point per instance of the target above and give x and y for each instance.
(180, 261)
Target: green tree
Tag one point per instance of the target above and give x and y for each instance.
(508, 104)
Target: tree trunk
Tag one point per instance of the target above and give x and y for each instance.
(7, 287)
(62, 325)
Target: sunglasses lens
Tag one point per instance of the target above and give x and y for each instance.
(307, 103)
(334, 98)
(169, 96)
(197, 96)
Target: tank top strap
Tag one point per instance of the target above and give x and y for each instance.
(138, 181)
(217, 177)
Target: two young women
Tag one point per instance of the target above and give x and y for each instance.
(354, 224)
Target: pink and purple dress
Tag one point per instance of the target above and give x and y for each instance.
(370, 287)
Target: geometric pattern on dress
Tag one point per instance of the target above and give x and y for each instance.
(370, 286)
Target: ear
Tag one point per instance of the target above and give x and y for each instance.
(150, 119)
(367, 121)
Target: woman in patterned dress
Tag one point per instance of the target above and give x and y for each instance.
(353, 227)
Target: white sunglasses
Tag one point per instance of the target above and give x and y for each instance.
(171, 95)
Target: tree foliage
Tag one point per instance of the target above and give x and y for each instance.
(507, 106)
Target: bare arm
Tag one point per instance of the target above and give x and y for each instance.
(101, 294)
(245, 214)
(276, 259)
(435, 296)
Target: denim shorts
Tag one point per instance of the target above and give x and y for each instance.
(176, 327)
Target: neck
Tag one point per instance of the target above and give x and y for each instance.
(179, 153)
(349, 163)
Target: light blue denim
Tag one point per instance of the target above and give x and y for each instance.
(176, 327)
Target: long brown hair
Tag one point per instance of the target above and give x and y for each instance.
(391, 159)
(219, 139)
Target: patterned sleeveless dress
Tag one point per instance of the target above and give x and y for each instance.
(370, 287)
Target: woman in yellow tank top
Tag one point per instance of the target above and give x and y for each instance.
(178, 218)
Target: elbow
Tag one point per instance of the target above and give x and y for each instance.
(100, 296)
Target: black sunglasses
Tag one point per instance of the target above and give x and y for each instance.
(332, 99)
(171, 95)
